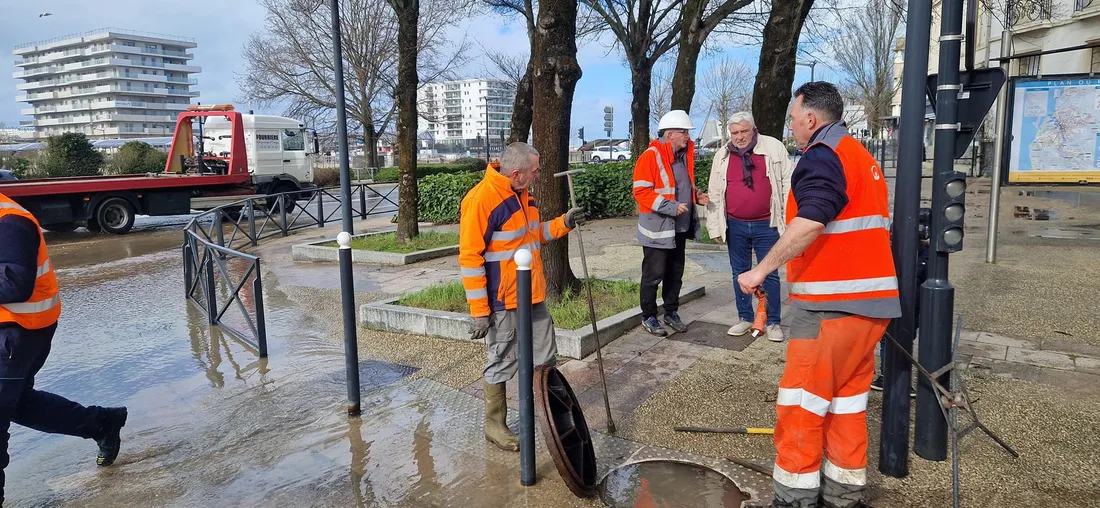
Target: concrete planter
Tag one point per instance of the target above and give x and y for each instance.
(386, 315)
(314, 251)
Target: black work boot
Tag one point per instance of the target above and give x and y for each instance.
(672, 319)
(114, 418)
(651, 325)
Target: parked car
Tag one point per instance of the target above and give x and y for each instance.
(610, 153)
(7, 175)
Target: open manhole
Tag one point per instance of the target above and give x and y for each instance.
(565, 431)
(668, 484)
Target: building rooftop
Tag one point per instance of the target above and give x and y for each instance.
(80, 38)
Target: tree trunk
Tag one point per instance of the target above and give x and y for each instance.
(370, 138)
(772, 93)
(687, 60)
(641, 81)
(554, 79)
(521, 108)
(408, 201)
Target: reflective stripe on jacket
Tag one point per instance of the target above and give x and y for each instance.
(655, 192)
(495, 222)
(849, 267)
(44, 306)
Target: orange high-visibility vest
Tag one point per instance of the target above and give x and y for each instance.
(655, 192)
(44, 306)
(849, 267)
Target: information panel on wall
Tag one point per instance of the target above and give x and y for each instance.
(1055, 127)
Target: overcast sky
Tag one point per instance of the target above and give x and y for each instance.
(221, 28)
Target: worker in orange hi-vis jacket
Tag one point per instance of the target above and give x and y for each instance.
(844, 291)
(499, 217)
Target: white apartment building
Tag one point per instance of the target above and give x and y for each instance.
(456, 113)
(107, 83)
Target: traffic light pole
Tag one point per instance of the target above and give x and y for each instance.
(896, 368)
(937, 297)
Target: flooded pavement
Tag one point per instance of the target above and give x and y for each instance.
(668, 484)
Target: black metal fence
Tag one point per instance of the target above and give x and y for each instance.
(218, 275)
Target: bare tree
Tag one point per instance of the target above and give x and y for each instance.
(524, 101)
(778, 51)
(698, 19)
(646, 30)
(510, 66)
(727, 89)
(660, 98)
(554, 79)
(864, 51)
(290, 62)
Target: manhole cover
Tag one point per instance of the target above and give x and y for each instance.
(669, 484)
(565, 431)
(710, 334)
(1068, 233)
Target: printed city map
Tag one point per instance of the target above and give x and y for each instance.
(1055, 127)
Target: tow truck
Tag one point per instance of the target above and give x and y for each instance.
(238, 156)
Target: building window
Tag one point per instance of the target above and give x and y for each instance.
(1029, 66)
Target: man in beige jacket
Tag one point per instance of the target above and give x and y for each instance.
(749, 181)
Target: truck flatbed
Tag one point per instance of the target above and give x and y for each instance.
(139, 182)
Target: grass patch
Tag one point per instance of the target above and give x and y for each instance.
(570, 311)
(706, 237)
(387, 242)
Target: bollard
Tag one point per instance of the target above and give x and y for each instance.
(526, 369)
(351, 346)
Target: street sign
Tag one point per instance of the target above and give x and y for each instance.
(979, 91)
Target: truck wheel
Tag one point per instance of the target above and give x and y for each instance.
(63, 227)
(289, 199)
(93, 226)
(115, 216)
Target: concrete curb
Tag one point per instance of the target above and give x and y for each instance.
(314, 251)
(385, 315)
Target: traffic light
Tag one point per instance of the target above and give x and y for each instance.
(580, 134)
(630, 128)
(950, 207)
(608, 119)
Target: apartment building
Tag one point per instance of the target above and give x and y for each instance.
(460, 115)
(106, 83)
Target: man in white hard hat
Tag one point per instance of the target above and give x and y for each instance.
(664, 187)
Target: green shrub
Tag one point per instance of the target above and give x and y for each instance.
(606, 190)
(441, 195)
(137, 157)
(391, 174)
(19, 166)
(70, 154)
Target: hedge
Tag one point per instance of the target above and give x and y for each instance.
(441, 195)
(389, 175)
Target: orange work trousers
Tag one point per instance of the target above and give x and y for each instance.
(822, 409)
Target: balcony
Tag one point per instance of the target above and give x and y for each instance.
(1028, 16)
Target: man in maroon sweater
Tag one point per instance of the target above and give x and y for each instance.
(749, 181)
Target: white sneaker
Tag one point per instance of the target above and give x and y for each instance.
(741, 328)
(775, 333)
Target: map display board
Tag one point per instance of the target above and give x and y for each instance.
(1055, 126)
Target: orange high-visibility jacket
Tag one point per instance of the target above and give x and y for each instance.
(655, 192)
(495, 222)
(849, 267)
(44, 306)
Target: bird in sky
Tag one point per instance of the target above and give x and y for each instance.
(44, 14)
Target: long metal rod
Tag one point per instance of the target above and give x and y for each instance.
(591, 311)
(999, 154)
(937, 293)
(896, 370)
(955, 415)
(347, 282)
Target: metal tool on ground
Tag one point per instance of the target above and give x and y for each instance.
(951, 401)
(588, 292)
(727, 430)
(761, 321)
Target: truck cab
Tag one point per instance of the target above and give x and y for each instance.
(279, 150)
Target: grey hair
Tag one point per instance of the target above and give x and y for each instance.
(517, 157)
(741, 116)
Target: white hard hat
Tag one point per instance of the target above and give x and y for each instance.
(675, 119)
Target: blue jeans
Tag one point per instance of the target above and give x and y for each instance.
(743, 238)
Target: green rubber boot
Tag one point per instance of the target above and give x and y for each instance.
(496, 418)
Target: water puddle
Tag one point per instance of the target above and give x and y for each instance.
(1025, 212)
(669, 484)
(1073, 197)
